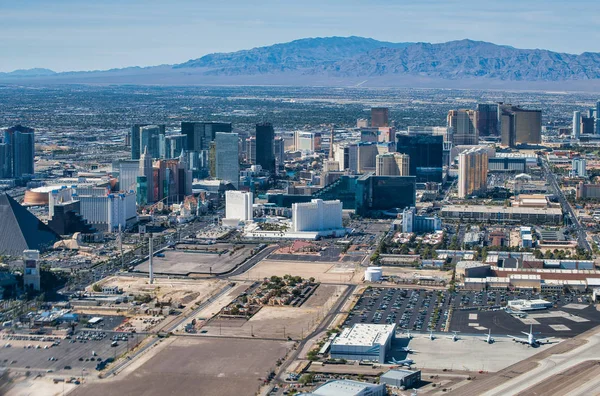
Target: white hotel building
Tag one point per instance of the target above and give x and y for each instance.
(238, 207)
(317, 215)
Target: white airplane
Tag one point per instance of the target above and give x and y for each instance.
(431, 336)
(7, 345)
(530, 340)
(489, 338)
(405, 362)
(407, 350)
(409, 335)
(455, 336)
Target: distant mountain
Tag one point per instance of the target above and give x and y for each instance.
(344, 61)
(304, 54)
(29, 73)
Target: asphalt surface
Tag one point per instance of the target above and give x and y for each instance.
(566, 207)
(410, 309)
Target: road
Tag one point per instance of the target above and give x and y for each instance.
(168, 328)
(335, 310)
(566, 207)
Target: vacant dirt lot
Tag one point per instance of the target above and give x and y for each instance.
(177, 290)
(197, 366)
(325, 272)
(280, 322)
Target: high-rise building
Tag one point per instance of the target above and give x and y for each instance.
(20, 148)
(147, 171)
(5, 164)
(307, 141)
(379, 117)
(472, 171)
(134, 140)
(519, 126)
(227, 157)
(598, 117)
(251, 150)
(150, 140)
(317, 215)
(341, 154)
(464, 127)
(279, 151)
(383, 193)
(587, 126)
(576, 124)
(238, 205)
(265, 156)
(487, 119)
(200, 134)
(425, 155)
(579, 167)
(174, 144)
(392, 164)
(129, 170)
(366, 155)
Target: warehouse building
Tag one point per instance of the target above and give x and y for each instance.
(347, 388)
(363, 342)
(398, 378)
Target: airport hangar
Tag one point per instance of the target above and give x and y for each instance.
(364, 342)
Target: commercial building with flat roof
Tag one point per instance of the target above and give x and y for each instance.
(500, 214)
(348, 388)
(364, 342)
(401, 378)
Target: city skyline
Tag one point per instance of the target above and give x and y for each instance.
(69, 36)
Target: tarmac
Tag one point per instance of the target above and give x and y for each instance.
(469, 353)
(570, 367)
(562, 322)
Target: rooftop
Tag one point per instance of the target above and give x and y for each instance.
(397, 374)
(365, 334)
(498, 209)
(342, 388)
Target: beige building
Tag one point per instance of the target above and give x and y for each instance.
(392, 164)
(472, 171)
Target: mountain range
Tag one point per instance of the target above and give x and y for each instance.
(358, 61)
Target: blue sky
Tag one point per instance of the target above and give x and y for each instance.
(88, 35)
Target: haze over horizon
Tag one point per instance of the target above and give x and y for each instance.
(148, 33)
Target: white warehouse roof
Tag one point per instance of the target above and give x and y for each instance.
(365, 334)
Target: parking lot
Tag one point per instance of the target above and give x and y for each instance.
(78, 354)
(198, 259)
(473, 312)
(411, 309)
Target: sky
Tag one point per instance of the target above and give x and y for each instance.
(66, 35)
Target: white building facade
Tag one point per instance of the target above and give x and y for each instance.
(317, 215)
(238, 205)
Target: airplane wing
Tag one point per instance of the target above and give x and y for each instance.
(520, 339)
(545, 341)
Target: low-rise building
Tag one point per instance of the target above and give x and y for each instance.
(500, 214)
(348, 388)
(364, 342)
(401, 378)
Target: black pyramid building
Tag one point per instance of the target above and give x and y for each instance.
(21, 230)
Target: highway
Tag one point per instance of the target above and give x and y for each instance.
(566, 207)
